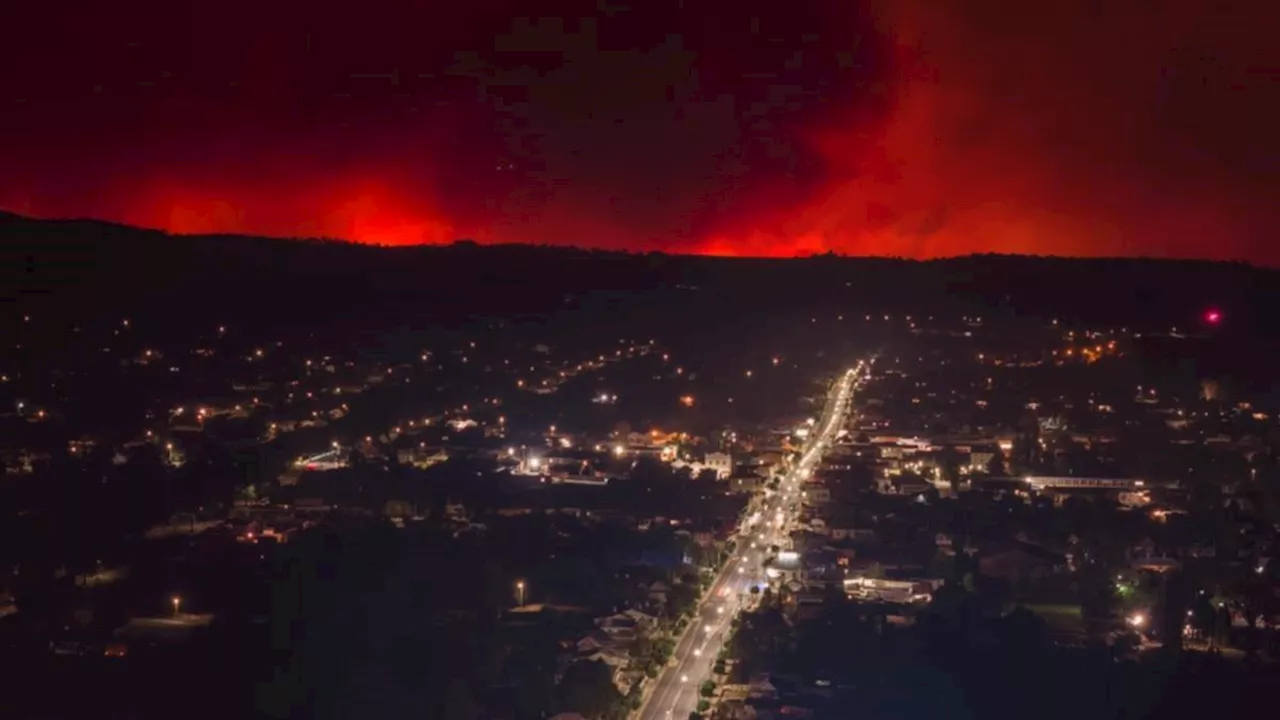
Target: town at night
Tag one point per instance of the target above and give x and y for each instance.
(674, 361)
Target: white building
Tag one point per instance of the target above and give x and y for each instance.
(1042, 482)
(721, 463)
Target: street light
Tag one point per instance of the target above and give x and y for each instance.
(177, 603)
(520, 592)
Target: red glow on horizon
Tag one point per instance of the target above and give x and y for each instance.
(978, 126)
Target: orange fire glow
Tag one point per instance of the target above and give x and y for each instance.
(987, 127)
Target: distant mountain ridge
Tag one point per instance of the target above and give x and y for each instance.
(13, 225)
(70, 266)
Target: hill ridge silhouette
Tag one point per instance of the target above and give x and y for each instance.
(72, 266)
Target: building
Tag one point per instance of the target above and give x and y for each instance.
(891, 591)
(1043, 482)
(421, 457)
(720, 463)
(746, 480)
(815, 494)
(786, 567)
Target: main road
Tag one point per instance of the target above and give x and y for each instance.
(677, 691)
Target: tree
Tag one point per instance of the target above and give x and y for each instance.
(943, 565)
(459, 704)
(1026, 444)
(1023, 633)
(587, 688)
(1126, 644)
(995, 466)
(680, 599)
(949, 465)
(708, 688)
(761, 637)
(531, 668)
(642, 648)
(663, 648)
(248, 493)
(1097, 593)
(951, 621)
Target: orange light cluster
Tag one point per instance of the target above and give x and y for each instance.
(1087, 353)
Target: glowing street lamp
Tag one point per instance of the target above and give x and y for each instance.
(520, 592)
(177, 604)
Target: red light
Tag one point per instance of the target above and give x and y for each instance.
(1213, 317)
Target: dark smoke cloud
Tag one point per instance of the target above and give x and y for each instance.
(898, 127)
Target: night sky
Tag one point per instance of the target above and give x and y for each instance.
(912, 128)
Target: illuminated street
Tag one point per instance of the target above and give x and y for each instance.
(676, 692)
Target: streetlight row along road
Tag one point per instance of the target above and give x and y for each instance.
(677, 690)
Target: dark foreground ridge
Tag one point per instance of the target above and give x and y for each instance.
(60, 265)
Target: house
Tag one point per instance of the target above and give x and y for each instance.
(621, 629)
(644, 622)
(174, 630)
(704, 538)
(787, 566)
(842, 531)
(806, 540)
(815, 494)
(615, 657)
(402, 509)
(904, 484)
(658, 593)
(421, 457)
(809, 604)
(593, 642)
(746, 480)
(760, 687)
(980, 458)
(720, 463)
